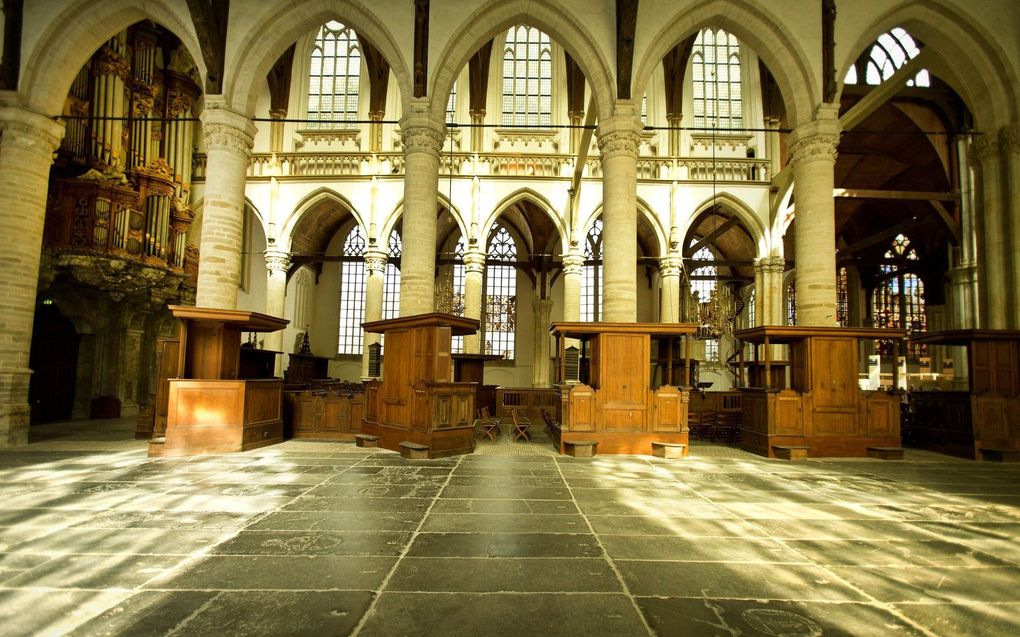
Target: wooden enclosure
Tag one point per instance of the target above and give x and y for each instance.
(416, 401)
(824, 407)
(330, 410)
(987, 417)
(224, 397)
(618, 407)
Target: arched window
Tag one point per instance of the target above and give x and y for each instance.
(704, 280)
(352, 292)
(791, 303)
(391, 286)
(500, 294)
(842, 299)
(591, 281)
(898, 301)
(891, 51)
(457, 303)
(716, 72)
(335, 76)
(527, 78)
(751, 312)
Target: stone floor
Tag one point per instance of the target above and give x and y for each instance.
(327, 539)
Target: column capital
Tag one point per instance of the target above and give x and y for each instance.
(619, 135)
(817, 139)
(228, 130)
(771, 264)
(573, 264)
(375, 261)
(1009, 138)
(420, 132)
(29, 130)
(474, 261)
(985, 148)
(278, 261)
(671, 266)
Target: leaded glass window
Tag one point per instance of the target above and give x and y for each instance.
(527, 78)
(716, 80)
(891, 51)
(591, 281)
(842, 301)
(791, 303)
(391, 286)
(500, 294)
(352, 293)
(334, 76)
(898, 301)
(751, 312)
(457, 302)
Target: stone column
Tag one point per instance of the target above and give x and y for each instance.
(540, 369)
(474, 277)
(277, 266)
(772, 145)
(228, 138)
(129, 370)
(618, 143)
(993, 242)
(478, 131)
(573, 268)
(375, 278)
(963, 278)
(768, 278)
(669, 271)
(27, 142)
(423, 138)
(276, 129)
(674, 121)
(1010, 141)
(813, 155)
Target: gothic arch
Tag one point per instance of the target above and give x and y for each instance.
(539, 200)
(753, 25)
(288, 22)
(72, 36)
(654, 233)
(491, 19)
(969, 60)
(391, 219)
(295, 220)
(748, 219)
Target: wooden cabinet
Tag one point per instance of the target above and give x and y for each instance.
(824, 407)
(619, 408)
(224, 397)
(330, 413)
(417, 400)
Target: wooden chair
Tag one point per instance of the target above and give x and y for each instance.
(521, 424)
(490, 425)
(552, 428)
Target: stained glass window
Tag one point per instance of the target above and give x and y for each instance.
(335, 76)
(842, 301)
(898, 301)
(591, 278)
(391, 286)
(500, 294)
(791, 303)
(704, 280)
(352, 293)
(457, 305)
(527, 78)
(716, 72)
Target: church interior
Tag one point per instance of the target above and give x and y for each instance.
(510, 316)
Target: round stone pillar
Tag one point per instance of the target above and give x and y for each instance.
(813, 156)
(375, 278)
(228, 138)
(1010, 141)
(27, 142)
(669, 303)
(423, 138)
(474, 272)
(277, 266)
(768, 278)
(993, 241)
(541, 370)
(573, 268)
(618, 144)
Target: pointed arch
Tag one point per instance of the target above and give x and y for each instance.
(735, 206)
(73, 35)
(969, 59)
(311, 201)
(394, 216)
(653, 235)
(539, 200)
(757, 28)
(488, 21)
(284, 23)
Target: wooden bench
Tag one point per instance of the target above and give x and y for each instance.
(1000, 455)
(580, 448)
(669, 450)
(791, 452)
(413, 450)
(366, 440)
(886, 453)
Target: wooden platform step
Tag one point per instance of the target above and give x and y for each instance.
(580, 448)
(366, 440)
(886, 453)
(1000, 455)
(669, 450)
(414, 450)
(791, 452)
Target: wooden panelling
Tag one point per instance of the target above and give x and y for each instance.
(670, 410)
(218, 416)
(326, 414)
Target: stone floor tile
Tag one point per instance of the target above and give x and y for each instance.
(584, 575)
(338, 521)
(527, 507)
(965, 620)
(385, 543)
(278, 572)
(502, 522)
(930, 584)
(687, 549)
(504, 545)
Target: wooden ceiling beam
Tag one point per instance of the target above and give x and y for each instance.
(909, 195)
(711, 236)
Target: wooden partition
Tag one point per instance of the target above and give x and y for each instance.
(619, 408)
(987, 416)
(416, 400)
(823, 408)
(324, 410)
(470, 368)
(528, 401)
(224, 398)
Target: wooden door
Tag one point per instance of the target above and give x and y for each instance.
(834, 385)
(625, 377)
